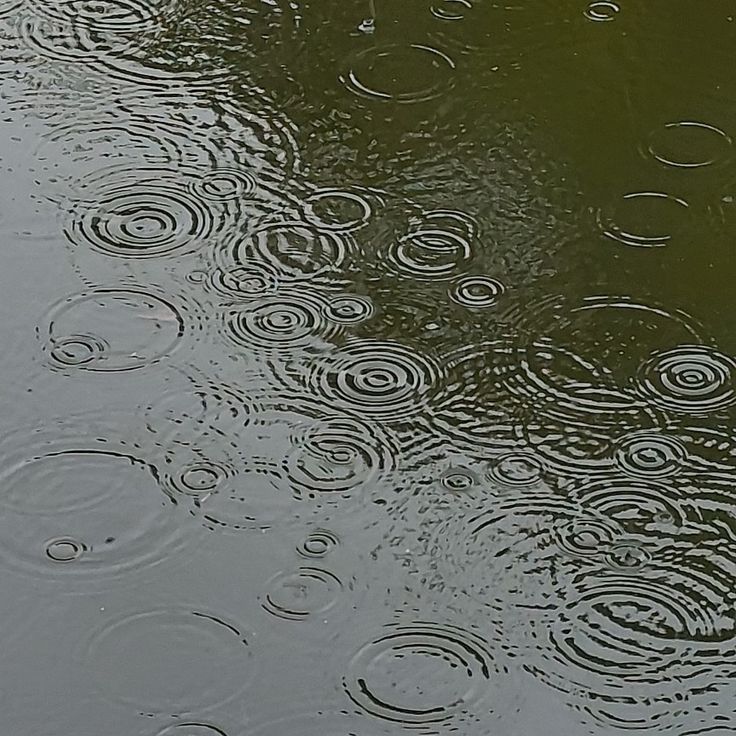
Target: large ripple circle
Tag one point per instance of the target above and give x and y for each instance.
(176, 660)
(404, 73)
(77, 505)
(380, 379)
(691, 379)
(111, 330)
(140, 214)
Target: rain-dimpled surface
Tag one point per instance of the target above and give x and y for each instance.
(369, 368)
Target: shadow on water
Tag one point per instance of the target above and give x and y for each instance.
(369, 367)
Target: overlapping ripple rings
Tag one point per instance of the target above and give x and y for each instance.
(689, 378)
(305, 592)
(79, 506)
(644, 219)
(288, 320)
(384, 380)
(423, 673)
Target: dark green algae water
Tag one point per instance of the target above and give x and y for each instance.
(367, 368)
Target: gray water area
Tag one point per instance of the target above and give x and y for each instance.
(368, 368)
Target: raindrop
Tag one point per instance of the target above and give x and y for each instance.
(586, 536)
(295, 251)
(340, 456)
(115, 16)
(627, 556)
(288, 320)
(71, 496)
(430, 254)
(244, 282)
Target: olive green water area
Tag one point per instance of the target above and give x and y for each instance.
(368, 367)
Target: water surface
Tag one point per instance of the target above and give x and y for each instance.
(369, 368)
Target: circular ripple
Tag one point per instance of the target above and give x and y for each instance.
(244, 282)
(650, 455)
(476, 292)
(77, 350)
(65, 549)
(627, 556)
(688, 144)
(134, 328)
(325, 723)
(143, 213)
(430, 254)
(82, 507)
(459, 480)
(257, 498)
(690, 378)
(586, 536)
(318, 544)
(287, 320)
(223, 185)
(77, 43)
(341, 210)
(618, 630)
(451, 9)
(349, 309)
(644, 219)
(340, 456)
(9, 6)
(381, 379)
(420, 674)
(507, 556)
(611, 335)
(171, 660)
(560, 384)
(199, 479)
(400, 73)
(517, 469)
(602, 11)
(308, 591)
(295, 250)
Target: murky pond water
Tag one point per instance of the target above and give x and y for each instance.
(368, 367)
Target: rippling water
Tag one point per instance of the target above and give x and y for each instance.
(369, 367)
